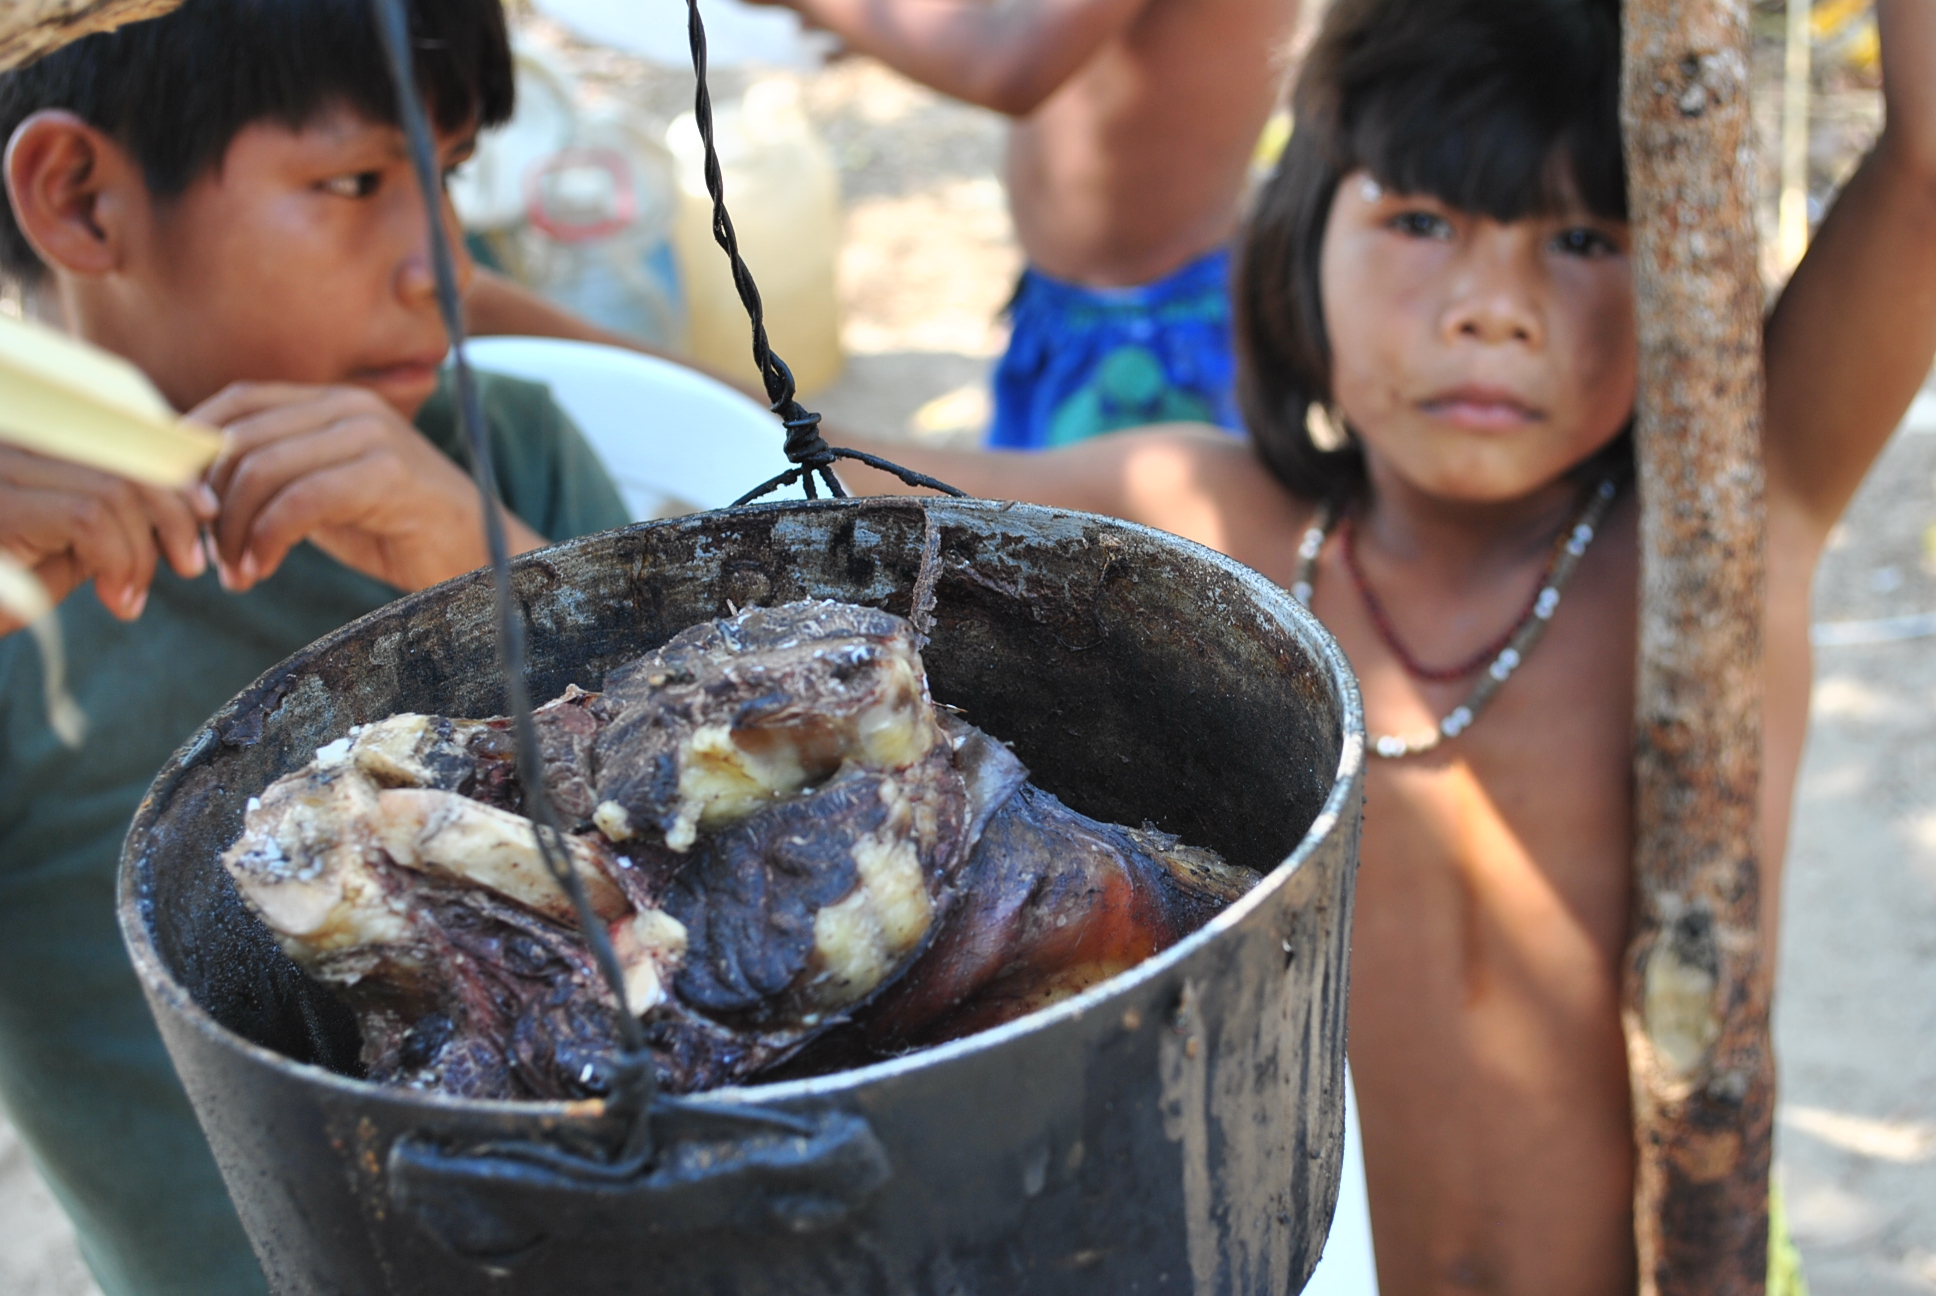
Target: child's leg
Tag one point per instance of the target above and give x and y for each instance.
(86, 1080)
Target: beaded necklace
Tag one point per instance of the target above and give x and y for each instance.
(1506, 653)
(1348, 533)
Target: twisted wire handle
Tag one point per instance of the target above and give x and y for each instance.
(632, 1083)
(805, 448)
(632, 1076)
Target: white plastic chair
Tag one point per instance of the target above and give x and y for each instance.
(672, 438)
(1347, 1267)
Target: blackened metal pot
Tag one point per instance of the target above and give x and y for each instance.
(1176, 1129)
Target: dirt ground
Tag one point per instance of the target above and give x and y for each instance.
(928, 261)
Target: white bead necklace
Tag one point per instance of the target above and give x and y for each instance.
(1572, 547)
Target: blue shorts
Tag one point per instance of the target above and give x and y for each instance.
(1083, 361)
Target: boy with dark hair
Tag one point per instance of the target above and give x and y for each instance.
(221, 196)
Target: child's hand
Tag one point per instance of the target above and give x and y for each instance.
(339, 467)
(68, 525)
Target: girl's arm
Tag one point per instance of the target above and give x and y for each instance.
(1852, 337)
(1081, 477)
(499, 307)
(1008, 55)
(1191, 480)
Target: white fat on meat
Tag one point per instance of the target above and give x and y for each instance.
(860, 940)
(727, 774)
(308, 862)
(442, 832)
(650, 946)
(393, 751)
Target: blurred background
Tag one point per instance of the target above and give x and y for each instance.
(871, 211)
(869, 208)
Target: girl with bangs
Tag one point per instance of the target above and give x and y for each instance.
(1438, 370)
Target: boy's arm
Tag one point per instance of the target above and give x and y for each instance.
(499, 307)
(496, 306)
(69, 525)
(1008, 55)
(1852, 337)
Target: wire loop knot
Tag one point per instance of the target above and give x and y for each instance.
(812, 458)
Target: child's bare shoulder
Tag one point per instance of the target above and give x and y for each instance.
(1206, 485)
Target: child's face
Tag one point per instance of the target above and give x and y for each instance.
(1477, 360)
(302, 258)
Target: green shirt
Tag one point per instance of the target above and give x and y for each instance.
(82, 1072)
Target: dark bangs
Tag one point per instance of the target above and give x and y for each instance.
(1506, 108)
(176, 90)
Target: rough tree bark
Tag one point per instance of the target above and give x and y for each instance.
(1696, 991)
(30, 28)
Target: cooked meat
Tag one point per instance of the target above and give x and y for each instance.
(774, 823)
(517, 1009)
(442, 832)
(478, 757)
(1053, 902)
(800, 739)
(309, 863)
(808, 906)
(732, 715)
(435, 919)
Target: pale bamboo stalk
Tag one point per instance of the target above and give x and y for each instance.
(30, 28)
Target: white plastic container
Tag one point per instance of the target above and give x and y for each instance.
(579, 205)
(784, 197)
(488, 190)
(596, 240)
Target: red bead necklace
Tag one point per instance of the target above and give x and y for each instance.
(1413, 666)
(1506, 654)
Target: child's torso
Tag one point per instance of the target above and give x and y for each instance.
(1491, 920)
(1135, 165)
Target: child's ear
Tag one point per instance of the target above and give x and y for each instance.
(74, 191)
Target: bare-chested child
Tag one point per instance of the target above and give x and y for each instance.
(1441, 263)
(1135, 122)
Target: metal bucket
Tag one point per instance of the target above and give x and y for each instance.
(1176, 1129)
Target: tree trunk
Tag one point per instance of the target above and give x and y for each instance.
(30, 28)
(1696, 993)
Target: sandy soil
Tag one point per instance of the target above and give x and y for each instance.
(928, 262)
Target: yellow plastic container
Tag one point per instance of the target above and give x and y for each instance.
(784, 197)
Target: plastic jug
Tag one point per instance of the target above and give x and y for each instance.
(784, 197)
(737, 34)
(488, 190)
(578, 204)
(598, 219)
